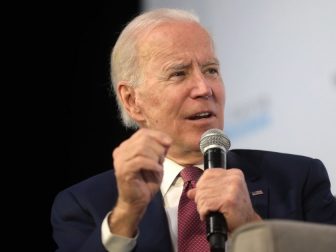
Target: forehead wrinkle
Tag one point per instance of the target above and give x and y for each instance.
(176, 65)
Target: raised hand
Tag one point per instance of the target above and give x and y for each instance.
(138, 169)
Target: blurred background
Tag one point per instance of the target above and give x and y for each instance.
(278, 62)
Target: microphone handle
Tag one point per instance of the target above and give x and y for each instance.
(216, 226)
(216, 231)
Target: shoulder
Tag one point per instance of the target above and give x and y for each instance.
(91, 183)
(263, 156)
(275, 163)
(90, 189)
(85, 202)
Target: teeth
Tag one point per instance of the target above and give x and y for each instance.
(203, 114)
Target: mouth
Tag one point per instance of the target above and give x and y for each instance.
(201, 115)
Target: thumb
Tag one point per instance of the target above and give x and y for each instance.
(191, 194)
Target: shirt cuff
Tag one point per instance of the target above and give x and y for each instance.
(114, 242)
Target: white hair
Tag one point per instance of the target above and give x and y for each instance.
(125, 63)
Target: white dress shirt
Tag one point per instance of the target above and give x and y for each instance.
(171, 189)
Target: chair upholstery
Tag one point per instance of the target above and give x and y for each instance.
(283, 235)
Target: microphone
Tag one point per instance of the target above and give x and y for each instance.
(214, 146)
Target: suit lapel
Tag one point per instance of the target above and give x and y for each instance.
(154, 232)
(259, 197)
(251, 165)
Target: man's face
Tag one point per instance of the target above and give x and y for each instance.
(182, 93)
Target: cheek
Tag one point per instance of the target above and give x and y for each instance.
(148, 98)
(153, 107)
(153, 101)
(165, 100)
(164, 103)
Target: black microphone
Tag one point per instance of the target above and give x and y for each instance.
(214, 146)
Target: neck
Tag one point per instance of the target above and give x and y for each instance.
(190, 158)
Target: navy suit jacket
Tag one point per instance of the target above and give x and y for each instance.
(281, 186)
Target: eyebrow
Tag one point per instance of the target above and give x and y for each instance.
(180, 66)
(213, 61)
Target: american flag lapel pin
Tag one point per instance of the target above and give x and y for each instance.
(257, 192)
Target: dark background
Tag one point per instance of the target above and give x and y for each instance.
(84, 126)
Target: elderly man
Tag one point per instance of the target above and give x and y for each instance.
(167, 81)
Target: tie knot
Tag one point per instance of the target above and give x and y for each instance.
(191, 173)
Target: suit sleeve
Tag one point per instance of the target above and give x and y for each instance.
(319, 203)
(74, 228)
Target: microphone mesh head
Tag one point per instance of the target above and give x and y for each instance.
(214, 138)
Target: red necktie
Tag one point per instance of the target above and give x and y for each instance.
(191, 231)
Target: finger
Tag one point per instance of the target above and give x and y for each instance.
(146, 158)
(136, 165)
(151, 149)
(159, 136)
(206, 205)
(146, 143)
(152, 177)
(191, 194)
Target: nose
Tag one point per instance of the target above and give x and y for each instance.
(201, 87)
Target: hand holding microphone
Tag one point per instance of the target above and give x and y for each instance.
(214, 146)
(221, 192)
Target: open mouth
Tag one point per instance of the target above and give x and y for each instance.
(201, 115)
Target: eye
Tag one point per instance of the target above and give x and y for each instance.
(212, 71)
(178, 74)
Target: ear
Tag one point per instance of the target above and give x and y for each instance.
(128, 98)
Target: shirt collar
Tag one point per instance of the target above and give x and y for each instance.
(171, 171)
